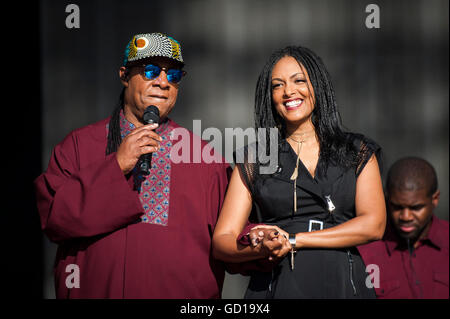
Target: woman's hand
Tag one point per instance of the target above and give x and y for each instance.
(272, 241)
(232, 220)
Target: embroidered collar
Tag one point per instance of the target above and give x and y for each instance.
(154, 189)
(127, 127)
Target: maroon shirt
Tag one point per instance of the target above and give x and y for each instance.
(92, 211)
(422, 273)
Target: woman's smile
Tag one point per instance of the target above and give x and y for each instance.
(293, 104)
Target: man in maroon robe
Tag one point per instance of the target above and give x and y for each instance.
(122, 233)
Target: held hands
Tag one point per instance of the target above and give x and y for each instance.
(141, 141)
(272, 241)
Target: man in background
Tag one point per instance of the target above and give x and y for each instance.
(412, 257)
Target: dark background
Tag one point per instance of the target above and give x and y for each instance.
(391, 84)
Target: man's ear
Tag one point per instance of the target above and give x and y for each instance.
(124, 75)
(435, 198)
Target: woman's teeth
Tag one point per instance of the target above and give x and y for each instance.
(293, 104)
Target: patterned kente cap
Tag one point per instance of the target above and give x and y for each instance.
(149, 45)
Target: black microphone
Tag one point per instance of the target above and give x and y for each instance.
(151, 115)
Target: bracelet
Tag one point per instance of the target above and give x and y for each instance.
(292, 240)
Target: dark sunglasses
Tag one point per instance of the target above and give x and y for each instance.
(152, 71)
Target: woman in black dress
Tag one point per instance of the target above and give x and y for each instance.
(324, 198)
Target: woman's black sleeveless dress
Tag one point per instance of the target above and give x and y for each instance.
(322, 202)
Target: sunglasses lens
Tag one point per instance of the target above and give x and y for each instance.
(174, 75)
(152, 71)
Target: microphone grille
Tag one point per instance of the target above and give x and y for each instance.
(151, 115)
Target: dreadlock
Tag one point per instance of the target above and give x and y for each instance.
(114, 137)
(335, 145)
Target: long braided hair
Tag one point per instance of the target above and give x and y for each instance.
(114, 137)
(335, 145)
